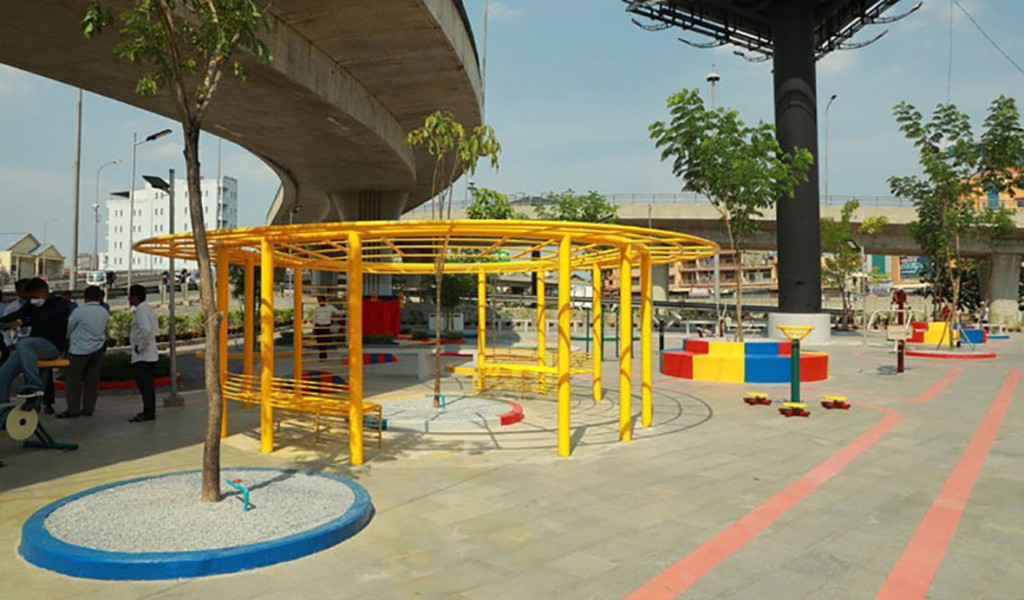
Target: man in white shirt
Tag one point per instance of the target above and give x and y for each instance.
(87, 333)
(142, 337)
(323, 316)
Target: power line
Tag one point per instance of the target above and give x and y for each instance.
(949, 64)
(988, 37)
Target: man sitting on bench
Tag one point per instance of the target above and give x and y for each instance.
(48, 317)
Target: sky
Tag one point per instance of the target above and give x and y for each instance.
(572, 86)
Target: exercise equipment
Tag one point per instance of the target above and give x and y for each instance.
(833, 401)
(795, 408)
(22, 423)
(757, 398)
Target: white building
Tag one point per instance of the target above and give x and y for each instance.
(152, 218)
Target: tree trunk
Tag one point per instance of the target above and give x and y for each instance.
(739, 294)
(211, 365)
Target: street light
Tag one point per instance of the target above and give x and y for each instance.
(96, 209)
(131, 195)
(174, 399)
(853, 245)
(827, 106)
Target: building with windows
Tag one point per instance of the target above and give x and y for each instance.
(23, 256)
(695, 279)
(153, 218)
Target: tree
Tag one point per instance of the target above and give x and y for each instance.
(741, 170)
(491, 204)
(842, 261)
(455, 151)
(570, 206)
(957, 171)
(185, 47)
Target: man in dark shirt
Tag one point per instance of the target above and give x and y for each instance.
(48, 317)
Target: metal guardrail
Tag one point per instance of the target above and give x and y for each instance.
(679, 198)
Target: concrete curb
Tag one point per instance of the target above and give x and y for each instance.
(43, 550)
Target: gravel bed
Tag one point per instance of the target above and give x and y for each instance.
(164, 514)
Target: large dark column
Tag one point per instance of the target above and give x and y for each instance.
(796, 123)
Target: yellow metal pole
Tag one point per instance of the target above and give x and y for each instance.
(564, 345)
(598, 331)
(625, 344)
(481, 328)
(297, 324)
(249, 317)
(355, 348)
(266, 345)
(542, 339)
(223, 266)
(646, 310)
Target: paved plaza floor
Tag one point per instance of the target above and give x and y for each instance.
(917, 491)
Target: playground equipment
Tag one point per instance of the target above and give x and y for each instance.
(757, 398)
(754, 361)
(795, 407)
(833, 401)
(21, 423)
(237, 484)
(395, 248)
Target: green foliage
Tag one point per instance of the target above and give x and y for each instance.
(958, 170)
(841, 260)
(570, 206)
(742, 170)
(455, 151)
(454, 290)
(491, 204)
(453, 334)
(119, 327)
(201, 38)
(378, 338)
(420, 336)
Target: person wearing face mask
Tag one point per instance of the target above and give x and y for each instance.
(48, 317)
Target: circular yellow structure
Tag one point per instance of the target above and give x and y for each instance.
(478, 247)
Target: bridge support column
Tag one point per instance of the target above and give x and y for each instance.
(1002, 289)
(659, 283)
(370, 205)
(796, 124)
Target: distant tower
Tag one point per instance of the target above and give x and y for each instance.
(713, 78)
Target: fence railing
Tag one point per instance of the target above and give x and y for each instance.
(677, 198)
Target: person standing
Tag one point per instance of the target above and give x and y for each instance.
(144, 355)
(323, 316)
(87, 333)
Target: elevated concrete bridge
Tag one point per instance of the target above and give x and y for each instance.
(329, 114)
(689, 213)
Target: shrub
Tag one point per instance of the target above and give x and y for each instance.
(382, 338)
(452, 335)
(420, 335)
(119, 327)
(117, 366)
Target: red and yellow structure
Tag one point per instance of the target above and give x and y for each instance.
(476, 247)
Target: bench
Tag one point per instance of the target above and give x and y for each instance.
(321, 403)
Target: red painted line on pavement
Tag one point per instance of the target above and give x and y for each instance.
(927, 395)
(677, 578)
(912, 575)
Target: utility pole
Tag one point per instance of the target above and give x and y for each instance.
(713, 79)
(74, 204)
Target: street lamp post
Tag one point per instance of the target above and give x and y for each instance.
(131, 195)
(96, 209)
(173, 399)
(827, 106)
(75, 196)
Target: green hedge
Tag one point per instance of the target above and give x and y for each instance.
(185, 326)
(117, 366)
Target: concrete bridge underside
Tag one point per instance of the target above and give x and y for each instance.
(329, 114)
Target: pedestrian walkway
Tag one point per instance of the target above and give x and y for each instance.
(912, 493)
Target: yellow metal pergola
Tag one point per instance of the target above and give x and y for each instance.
(478, 247)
